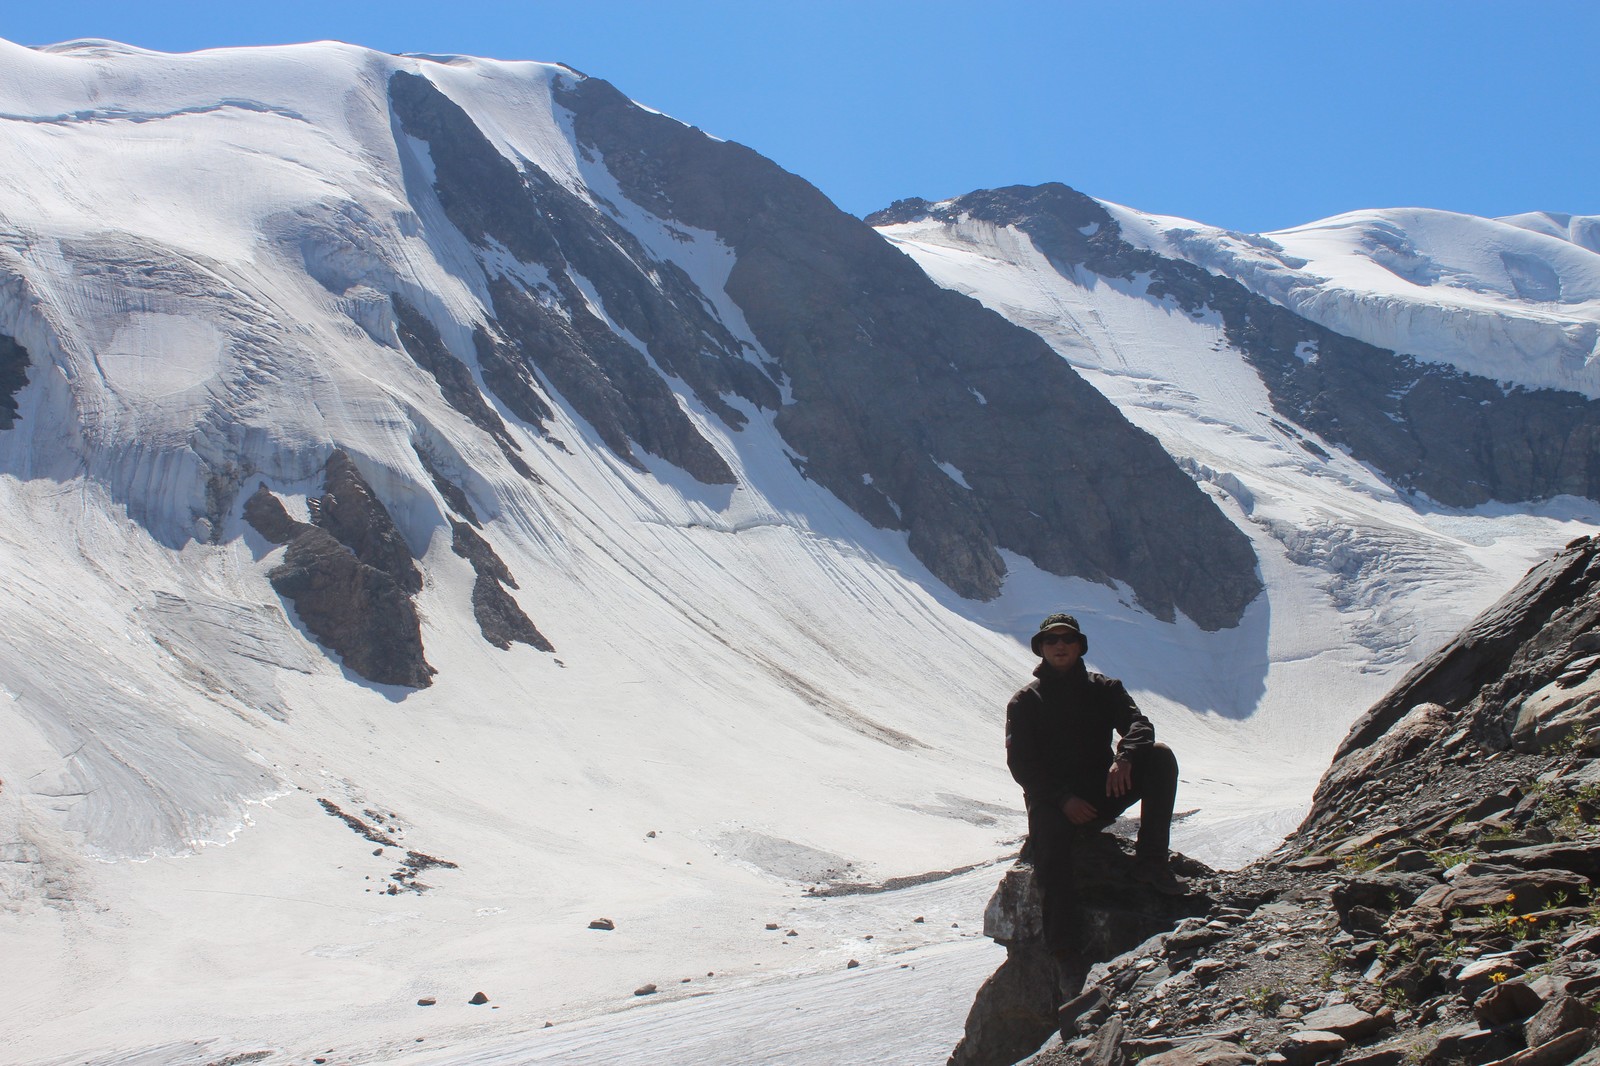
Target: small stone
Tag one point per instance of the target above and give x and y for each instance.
(478, 999)
(549, 1025)
(427, 1001)
(645, 990)
(1313, 1045)
(1203, 1052)
(651, 835)
(602, 923)
(1478, 975)
(852, 964)
(792, 932)
(918, 919)
(772, 925)
(1344, 1020)
(1561, 1015)
(1509, 1001)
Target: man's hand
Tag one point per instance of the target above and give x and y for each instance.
(1078, 811)
(1120, 779)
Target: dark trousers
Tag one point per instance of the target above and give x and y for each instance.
(1051, 836)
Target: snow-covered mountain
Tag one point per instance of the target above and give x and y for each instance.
(1516, 299)
(444, 502)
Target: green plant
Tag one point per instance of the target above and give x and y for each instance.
(1264, 1000)
(1403, 949)
(1571, 743)
(1332, 963)
(1444, 858)
(1568, 815)
(1504, 919)
(1359, 860)
(1396, 997)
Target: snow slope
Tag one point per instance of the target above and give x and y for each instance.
(1516, 300)
(753, 692)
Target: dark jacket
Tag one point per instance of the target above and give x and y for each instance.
(1058, 733)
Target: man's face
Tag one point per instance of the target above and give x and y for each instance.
(1060, 650)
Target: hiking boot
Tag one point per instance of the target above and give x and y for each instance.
(1158, 875)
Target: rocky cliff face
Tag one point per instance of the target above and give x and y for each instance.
(13, 376)
(1438, 905)
(916, 406)
(1461, 439)
(349, 575)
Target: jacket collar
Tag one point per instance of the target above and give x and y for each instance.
(1049, 676)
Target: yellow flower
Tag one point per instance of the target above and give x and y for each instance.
(1511, 897)
(1497, 977)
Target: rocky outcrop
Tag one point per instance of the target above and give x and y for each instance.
(267, 516)
(14, 363)
(1033, 994)
(552, 325)
(1461, 439)
(349, 576)
(422, 342)
(918, 407)
(454, 496)
(350, 511)
(1439, 904)
(1522, 669)
(500, 619)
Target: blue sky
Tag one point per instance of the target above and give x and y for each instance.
(1251, 115)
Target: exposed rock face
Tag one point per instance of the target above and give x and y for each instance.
(355, 609)
(350, 511)
(1537, 643)
(918, 407)
(267, 516)
(604, 377)
(14, 365)
(500, 619)
(454, 496)
(422, 342)
(1459, 438)
(1438, 904)
(349, 576)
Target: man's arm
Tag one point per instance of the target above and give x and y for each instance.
(1025, 756)
(1137, 731)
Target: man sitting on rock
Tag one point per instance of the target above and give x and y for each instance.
(1058, 746)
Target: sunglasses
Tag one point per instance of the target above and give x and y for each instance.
(1059, 638)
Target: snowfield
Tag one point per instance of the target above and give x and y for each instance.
(755, 695)
(1516, 300)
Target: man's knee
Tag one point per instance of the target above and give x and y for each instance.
(1156, 763)
(1156, 769)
